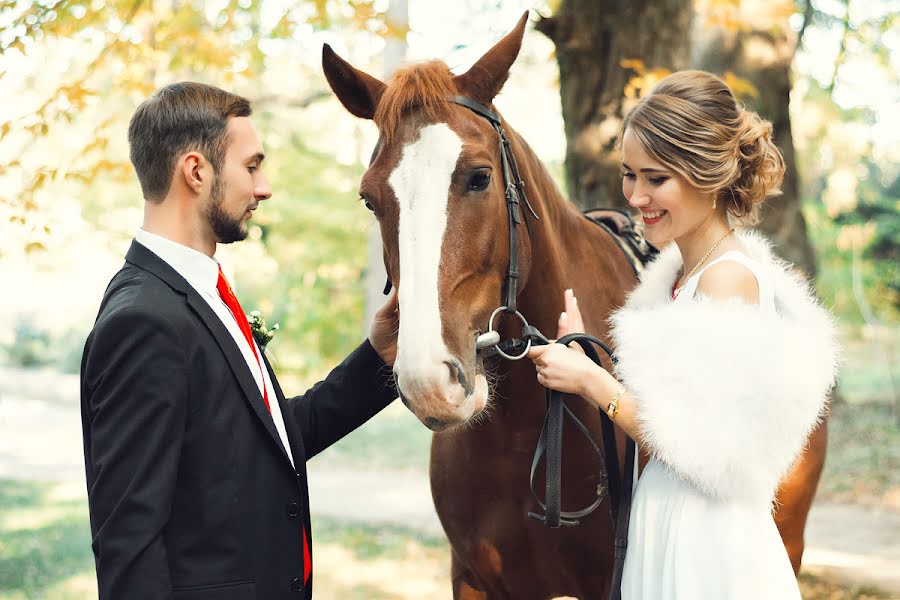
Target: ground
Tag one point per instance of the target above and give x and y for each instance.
(384, 542)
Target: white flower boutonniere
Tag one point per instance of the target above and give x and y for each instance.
(261, 333)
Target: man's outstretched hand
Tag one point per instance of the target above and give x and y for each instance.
(385, 326)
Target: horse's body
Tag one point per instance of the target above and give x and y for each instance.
(446, 235)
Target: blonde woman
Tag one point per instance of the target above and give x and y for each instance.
(725, 358)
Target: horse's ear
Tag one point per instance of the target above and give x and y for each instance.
(485, 78)
(359, 92)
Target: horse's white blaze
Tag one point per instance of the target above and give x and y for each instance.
(421, 183)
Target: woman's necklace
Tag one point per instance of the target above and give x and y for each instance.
(675, 288)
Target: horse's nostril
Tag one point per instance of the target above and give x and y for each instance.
(457, 373)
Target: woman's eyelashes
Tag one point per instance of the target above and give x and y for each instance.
(657, 180)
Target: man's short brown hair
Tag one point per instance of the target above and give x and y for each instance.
(180, 118)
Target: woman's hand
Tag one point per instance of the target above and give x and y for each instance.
(570, 320)
(558, 367)
(564, 369)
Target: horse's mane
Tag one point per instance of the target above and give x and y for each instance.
(424, 87)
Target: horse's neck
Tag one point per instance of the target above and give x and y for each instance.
(566, 251)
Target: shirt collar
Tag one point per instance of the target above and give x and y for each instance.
(201, 271)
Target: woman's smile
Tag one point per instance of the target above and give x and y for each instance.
(653, 217)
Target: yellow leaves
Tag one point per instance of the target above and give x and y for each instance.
(643, 80)
(720, 13)
(284, 28)
(742, 88)
(4, 168)
(856, 236)
(840, 192)
(392, 29)
(320, 18)
(745, 15)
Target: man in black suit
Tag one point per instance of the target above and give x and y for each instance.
(195, 459)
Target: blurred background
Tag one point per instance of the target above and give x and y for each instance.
(825, 72)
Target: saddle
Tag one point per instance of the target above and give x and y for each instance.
(628, 234)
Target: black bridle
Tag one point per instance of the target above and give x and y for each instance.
(550, 442)
(515, 195)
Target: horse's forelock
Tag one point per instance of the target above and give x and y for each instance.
(424, 87)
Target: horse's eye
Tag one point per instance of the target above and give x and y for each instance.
(366, 202)
(479, 180)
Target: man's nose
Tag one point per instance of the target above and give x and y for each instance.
(263, 189)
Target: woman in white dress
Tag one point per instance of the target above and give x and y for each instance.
(725, 359)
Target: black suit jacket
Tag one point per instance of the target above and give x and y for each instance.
(191, 493)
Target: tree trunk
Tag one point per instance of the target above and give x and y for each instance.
(762, 54)
(592, 37)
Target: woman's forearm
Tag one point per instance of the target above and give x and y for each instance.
(601, 389)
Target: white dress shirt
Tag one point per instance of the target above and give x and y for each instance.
(202, 272)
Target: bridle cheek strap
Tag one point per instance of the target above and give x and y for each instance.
(514, 191)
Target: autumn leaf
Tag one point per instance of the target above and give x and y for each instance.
(740, 87)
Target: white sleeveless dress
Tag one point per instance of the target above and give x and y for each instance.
(685, 545)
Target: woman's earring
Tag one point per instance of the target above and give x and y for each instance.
(715, 198)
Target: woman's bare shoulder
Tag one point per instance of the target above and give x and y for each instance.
(729, 279)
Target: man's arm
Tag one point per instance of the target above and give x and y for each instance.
(354, 392)
(134, 391)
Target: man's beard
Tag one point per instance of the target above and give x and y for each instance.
(226, 228)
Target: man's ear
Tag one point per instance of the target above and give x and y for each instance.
(194, 170)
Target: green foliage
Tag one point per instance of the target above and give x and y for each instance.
(394, 439)
(34, 346)
(875, 290)
(316, 235)
(30, 346)
(116, 54)
(43, 541)
(863, 460)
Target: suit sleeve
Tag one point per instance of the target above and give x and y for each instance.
(134, 397)
(354, 392)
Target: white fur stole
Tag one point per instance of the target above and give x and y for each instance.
(726, 394)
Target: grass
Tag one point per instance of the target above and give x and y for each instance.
(394, 439)
(814, 588)
(45, 554)
(863, 461)
(45, 542)
(45, 536)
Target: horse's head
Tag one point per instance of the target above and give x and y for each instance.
(435, 185)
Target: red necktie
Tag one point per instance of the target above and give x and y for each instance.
(234, 306)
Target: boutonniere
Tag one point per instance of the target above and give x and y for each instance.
(261, 333)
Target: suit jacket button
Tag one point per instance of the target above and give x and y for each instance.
(293, 509)
(297, 585)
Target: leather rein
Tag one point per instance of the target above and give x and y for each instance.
(612, 483)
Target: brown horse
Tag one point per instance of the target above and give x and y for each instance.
(436, 187)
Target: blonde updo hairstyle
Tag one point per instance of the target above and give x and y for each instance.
(691, 123)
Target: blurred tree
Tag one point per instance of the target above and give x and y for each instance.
(132, 47)
(76, 69)
(752, 40)
(611, 53)
(602, 47)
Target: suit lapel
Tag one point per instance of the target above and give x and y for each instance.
(295, 438)
(145, 259)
